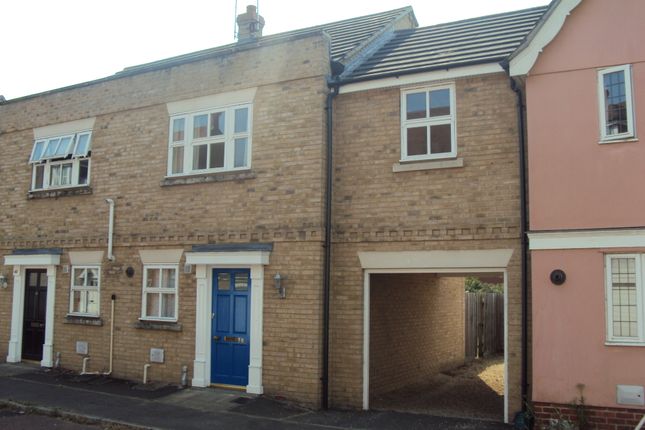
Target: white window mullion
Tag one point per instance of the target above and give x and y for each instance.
(75, 169)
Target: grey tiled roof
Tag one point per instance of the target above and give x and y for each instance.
(346, 36)
(474, 41)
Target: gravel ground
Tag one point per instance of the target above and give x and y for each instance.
(475, 390)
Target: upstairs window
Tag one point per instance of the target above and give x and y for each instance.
(428, 123)
(61, 161)
(210, 141)
(615, 100)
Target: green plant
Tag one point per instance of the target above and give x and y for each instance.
(559, 423)
(474, 285)
(580, 408)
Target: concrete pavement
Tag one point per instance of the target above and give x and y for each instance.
(162, 407)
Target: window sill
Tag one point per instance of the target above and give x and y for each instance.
(233, 175)
(59, 192)
(410, 166)
(619, 140)
(83, 320)
(623, 343)
(158, 325)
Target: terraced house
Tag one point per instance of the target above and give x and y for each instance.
(291, 214)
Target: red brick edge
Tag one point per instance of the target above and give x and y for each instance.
(598, 417)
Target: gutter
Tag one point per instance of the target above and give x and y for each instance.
(333, 86)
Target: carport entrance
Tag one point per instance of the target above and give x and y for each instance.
(414, 324)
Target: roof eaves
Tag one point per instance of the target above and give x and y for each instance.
(542, 34)
(420, 70)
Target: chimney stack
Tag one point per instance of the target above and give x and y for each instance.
(249, 25)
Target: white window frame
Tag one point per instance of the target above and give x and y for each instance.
(228, 138)
(640, 292)
(51, 162)
(86, 288)
(428, 121)
(629, 106)
(146, 291)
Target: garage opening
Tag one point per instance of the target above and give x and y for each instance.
(436, 343)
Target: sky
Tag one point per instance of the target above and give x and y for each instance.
(49, 44)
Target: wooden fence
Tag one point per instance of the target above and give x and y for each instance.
(484, 324)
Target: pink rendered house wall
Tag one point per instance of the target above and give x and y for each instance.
(577, 183)
(574, 181)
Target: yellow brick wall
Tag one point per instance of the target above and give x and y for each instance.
(416, 328)
(281, 202)
(474, 207)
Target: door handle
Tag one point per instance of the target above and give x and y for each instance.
(215, 337)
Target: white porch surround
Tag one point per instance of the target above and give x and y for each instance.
(446, 262)
(20, 263)
(205, 262)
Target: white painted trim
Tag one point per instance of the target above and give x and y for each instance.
(366, 322)
(524, 59)
(84, 258)
(428, 121)
(422, 78)
(205, 262)
(160, 256)
(220, 259)
(589, 239)
(366, 340)
(506, 383)
(629, 107)
(64, 128)
(220, 100)
(427, 165)
(48, 346)
(432, 260)
(17, 312)
(32, 260)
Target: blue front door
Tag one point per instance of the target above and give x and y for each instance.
(230, 326)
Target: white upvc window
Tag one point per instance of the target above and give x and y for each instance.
(616, 104)
(428, 123)
(624, 298)
(61, 161)
(210, 141)
(160, 284)
(84, 297)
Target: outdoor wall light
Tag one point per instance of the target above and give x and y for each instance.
(279, 285)
(558, 277)
(3, 281)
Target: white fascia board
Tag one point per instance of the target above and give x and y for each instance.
(523, 61)
(64, 128)
(632, 238)
(242, 258)
(32, 260)
(436, 260)
(421, 78)
(212, 101)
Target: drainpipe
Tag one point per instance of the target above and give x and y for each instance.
(327, 245)
(110, 229)
(109, 372)
(523, 235)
